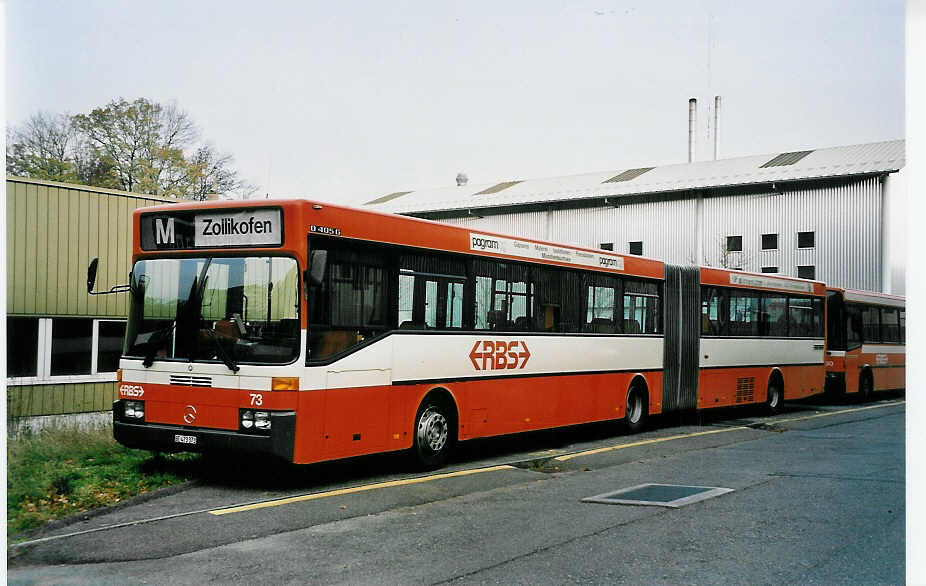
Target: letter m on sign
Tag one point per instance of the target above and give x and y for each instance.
(163, 231)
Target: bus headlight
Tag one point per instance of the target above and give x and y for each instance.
(134, 409)
(262, 420)
(251, 421)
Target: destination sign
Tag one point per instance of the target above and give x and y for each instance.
(532, 250)
(212, 229)
(770, 283)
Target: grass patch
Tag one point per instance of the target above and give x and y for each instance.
(58, 473)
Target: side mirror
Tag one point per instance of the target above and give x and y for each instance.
(91, 280)
(91, 273)
(318, 262)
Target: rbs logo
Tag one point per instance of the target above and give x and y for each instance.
(131, 391)
(499, 355)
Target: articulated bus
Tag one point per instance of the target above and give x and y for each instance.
(312, 332)
(866, 337)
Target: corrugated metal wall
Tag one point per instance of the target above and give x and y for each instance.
(29, 400)
(845, 219)
(665, 227)
(52, 233)
(527, 224)
(53, 230)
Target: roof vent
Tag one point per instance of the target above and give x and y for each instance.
(386, 198)
(497, 188)
(785, 159)
(462, 179)
(628, 175)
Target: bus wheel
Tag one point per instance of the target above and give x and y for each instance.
(774, 397)
(434, 435)
(866, 386)
(635, 413)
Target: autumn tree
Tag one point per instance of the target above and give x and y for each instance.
(139, 146)
(42, 147)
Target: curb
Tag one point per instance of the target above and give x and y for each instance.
(87, 515)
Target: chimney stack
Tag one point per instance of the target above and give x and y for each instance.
(692, 120)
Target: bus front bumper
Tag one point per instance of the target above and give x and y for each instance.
(174, 438)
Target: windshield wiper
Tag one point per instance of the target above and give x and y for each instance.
(155, 341)
(232, 366)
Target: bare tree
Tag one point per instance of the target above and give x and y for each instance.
(211, 172)
(41, 147)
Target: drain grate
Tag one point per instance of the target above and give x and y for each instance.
(658, 495)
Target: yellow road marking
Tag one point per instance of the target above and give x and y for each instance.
(353, 489)
(563, 458)
(843, 411)
(646, 442)
(713, 431)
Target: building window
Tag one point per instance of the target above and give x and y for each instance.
(636, 247)
(805, 239)
(734, 243)
(807, 272)
(22, 339)
(770, 242)
(606, 246)
(769, 269)
(109, 336)
(71, 346)
(46, 350)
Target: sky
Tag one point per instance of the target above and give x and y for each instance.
(348, 101)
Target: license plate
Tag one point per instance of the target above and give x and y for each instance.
(185, 439)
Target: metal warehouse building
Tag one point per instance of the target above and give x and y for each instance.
(826, 214)
(62, 344)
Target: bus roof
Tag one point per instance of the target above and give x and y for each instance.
(764, 281)
(303, 217)
(872, 297)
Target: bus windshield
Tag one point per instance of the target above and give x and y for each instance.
(232, 309)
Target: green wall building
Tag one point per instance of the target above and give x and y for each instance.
(62, 344)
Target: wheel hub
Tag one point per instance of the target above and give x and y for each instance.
(432, 430)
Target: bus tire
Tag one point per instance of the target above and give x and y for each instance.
(866, 385)
(774, 397)
(434, 433)
(636, 409)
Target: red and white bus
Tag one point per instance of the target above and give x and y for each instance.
(866, 337)
(312, 332)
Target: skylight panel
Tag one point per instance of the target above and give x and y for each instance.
(785, 159)
(497, 188)
(386, 198)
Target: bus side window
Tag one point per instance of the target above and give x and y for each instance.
(800, 317)
(713, 316)
(430, 294)
(853, 327)
(818, 320)
(890, 327)
(744, 313)
(350, 304)
(774, 316)
(549, 299)
(642, 312)
(600, 300)
(871, 324)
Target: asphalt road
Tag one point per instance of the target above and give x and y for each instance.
(817, 498)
